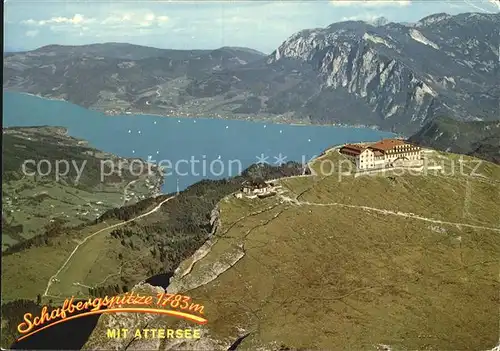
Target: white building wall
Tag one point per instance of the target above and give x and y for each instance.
(402, 152)
(379, 162)
(365, 160)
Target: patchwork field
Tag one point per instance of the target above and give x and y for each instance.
(32, 202)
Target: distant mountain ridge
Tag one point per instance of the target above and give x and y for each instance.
(136, 52)
(115, 75)
(403, 76)
(394, 76)
(478, 139)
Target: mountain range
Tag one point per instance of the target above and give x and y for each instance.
(478, 139)
(393, 76)
(255, 263)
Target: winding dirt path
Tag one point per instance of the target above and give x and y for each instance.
(388, 212)
(52, 279)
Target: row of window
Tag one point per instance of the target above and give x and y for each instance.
(405, 154)
(399, 154)
(393, 153)
(405, 146)
(400, 150)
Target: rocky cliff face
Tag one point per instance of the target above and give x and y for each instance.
(404, 75)
(394, 76)
(215, 219)
(140, 321)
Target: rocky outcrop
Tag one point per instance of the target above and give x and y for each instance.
(186, 266)
(133, 321)
(182, 281)
(394, 76)
(207, 270)
(405, 75)
(215, 220)
(130, 321)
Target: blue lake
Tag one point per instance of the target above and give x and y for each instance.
(194, 148)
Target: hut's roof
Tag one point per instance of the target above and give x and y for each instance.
(254, 182)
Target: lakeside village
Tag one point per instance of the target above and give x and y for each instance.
(367, 157)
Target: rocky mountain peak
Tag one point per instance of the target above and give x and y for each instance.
(437, 17)
(402, 70)
(390, 75)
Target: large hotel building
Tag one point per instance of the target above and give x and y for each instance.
(385, 153)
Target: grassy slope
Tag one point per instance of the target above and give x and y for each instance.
(177, 229)
(480, 139)
(37, 264)
(35, 201)
(342, 277)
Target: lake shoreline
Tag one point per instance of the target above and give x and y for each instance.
(246, 118)
(206, 148)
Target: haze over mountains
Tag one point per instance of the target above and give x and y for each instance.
(362, 262)
(394, 76)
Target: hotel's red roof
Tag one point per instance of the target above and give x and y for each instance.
(387, 144)
(352, 148)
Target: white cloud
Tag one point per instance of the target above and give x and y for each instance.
(32, 33)
(134, 20)
(115, 19)
(370, 3)
(366, 17)
(30, 22)
(77, 19)
(263, 25)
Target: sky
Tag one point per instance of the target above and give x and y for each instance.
(261, 25)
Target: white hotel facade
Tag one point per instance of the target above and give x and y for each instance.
(383, 154)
